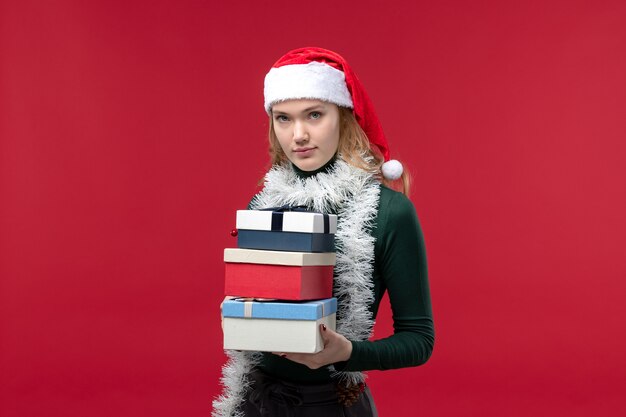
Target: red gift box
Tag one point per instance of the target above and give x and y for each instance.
(279, 281)
(280, 275)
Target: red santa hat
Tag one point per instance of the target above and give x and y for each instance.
(317, 73)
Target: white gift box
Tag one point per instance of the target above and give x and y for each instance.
(270, 326)
(286, 221)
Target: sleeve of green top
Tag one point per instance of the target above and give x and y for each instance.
(401, 263)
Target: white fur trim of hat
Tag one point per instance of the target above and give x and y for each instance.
(314, 80)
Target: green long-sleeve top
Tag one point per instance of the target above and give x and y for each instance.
(400, 270)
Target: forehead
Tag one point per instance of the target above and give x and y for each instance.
(299, 105)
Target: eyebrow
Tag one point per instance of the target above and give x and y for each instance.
(308, 109)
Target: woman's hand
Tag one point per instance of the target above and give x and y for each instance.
(228, 297)
(336, 349)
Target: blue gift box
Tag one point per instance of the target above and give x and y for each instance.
(277, 326)
(309, 310)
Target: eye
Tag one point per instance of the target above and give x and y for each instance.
(315, 115)
(281, 118)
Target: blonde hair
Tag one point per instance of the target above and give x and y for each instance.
(354, 148)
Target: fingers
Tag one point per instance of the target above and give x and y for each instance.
(312, 360)
(228, 297)
(324, 331)
(328, 335)
(326, 356)
(336, 348)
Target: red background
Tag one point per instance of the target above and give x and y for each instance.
(130, 132)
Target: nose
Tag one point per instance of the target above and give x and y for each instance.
(300, 133)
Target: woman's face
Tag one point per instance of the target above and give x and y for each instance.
(307, 130)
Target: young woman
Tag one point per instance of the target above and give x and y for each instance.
(328, 152)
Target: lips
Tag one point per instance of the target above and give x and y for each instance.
(303, 152)
(302, 149)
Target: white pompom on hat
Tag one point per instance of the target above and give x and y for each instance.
(317, 73)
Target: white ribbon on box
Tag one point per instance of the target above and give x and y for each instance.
(247, 309)
(249, 302)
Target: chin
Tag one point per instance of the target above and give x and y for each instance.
(309, 166)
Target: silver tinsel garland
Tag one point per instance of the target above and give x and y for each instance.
(353, 195)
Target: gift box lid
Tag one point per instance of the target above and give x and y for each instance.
(287, 221)
(269, 257)
(309, 310)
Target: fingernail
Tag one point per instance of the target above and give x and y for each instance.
(282, 355)
(324, 327)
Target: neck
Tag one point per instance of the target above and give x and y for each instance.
(324, 168)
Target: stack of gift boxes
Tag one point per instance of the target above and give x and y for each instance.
(282, 275)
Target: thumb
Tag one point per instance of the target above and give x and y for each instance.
(325, 333)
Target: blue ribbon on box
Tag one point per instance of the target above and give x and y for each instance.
(277, 216)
